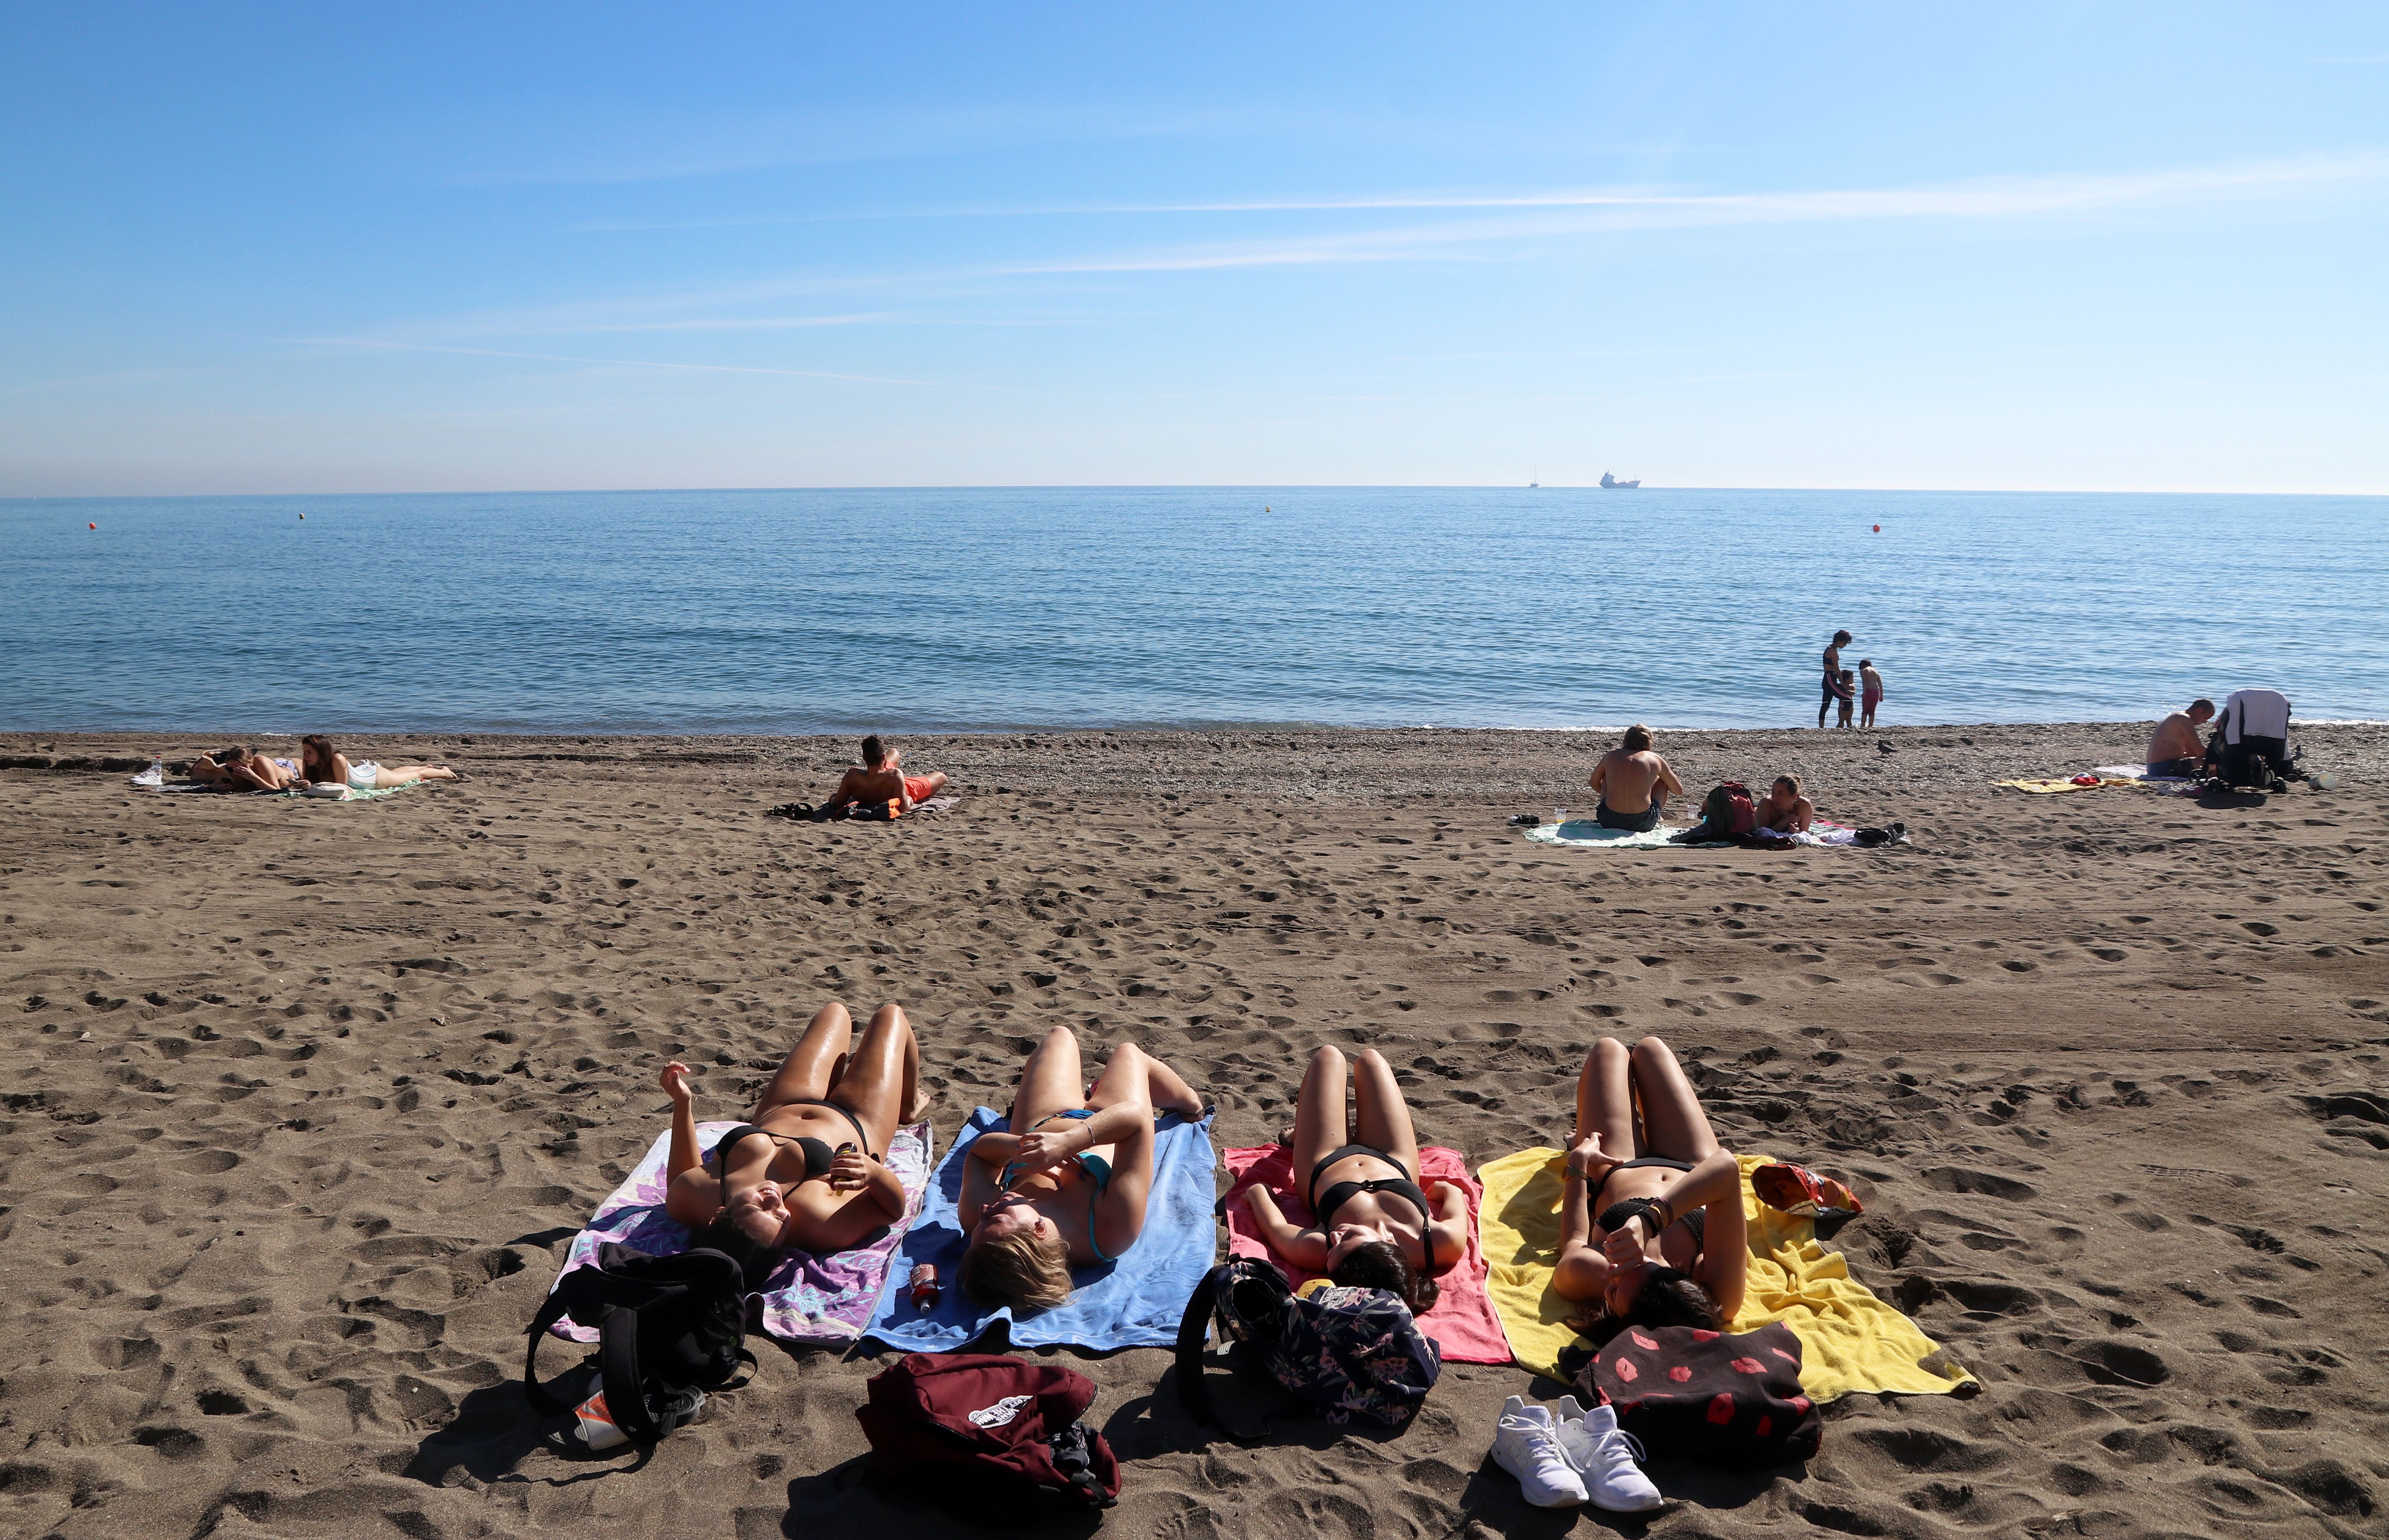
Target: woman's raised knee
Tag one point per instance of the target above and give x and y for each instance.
(1607, 1049)
(1654, 1049)
(890, 1014)
(1324, 1055)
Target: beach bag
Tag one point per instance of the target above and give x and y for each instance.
(1344, 1352)
(1692, 1393)
(1727, 812)
(989, 1430)
(668, 1328)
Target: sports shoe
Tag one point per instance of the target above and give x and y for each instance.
(1603, 1455)
(1527, 1446)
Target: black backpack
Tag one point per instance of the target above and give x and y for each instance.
(666, 1326)
(1344, 1352)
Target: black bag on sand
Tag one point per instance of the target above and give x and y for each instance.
(1695, 1395)
(666, 1326)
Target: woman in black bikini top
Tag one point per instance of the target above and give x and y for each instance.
(777, 1182)
(1651, 1221)
(1375, 1226)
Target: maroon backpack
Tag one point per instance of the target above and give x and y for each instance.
(981, 1427)
(1690, 1393)
(1728, 809)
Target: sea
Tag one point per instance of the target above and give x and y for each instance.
(1012, 608)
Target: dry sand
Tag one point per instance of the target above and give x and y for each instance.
(304, 1099)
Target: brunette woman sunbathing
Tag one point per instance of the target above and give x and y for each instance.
(806, 1173)
(1375, 1226)
(1651, 1221)
(1067, 1188)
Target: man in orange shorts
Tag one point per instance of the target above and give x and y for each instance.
(881, 777)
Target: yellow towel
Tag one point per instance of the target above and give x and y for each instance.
(2052, 784)
(1849, 1340)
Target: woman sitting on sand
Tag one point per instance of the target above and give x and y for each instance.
(806, 1172)
(1068, 1191)
(322, 764)
(1651, 1221)
(1374, 1227)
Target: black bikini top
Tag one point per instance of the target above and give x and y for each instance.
(819, 1156)
(1324, 1204)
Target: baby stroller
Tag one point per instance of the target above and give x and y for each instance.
(2252, 746)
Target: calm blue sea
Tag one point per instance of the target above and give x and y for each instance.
(801, 611)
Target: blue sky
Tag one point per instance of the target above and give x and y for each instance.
(261, 249)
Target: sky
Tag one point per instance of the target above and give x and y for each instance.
(259, 249)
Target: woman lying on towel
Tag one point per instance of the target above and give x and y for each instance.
(1373, 1225)
(1651, 1222)
(1067, 1188)
(805, 1173)
(320, 763)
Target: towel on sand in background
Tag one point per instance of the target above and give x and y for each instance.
(2050, 786)
(1463, 1322)
(1849, 1340)
(1584, 831)
(1133, 1302)
(808, 1298)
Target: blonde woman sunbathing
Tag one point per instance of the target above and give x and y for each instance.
(1376, 1226)
(806, 1172)
(1651, 1221)
(1068, 1189)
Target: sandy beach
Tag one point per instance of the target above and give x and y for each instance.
(304, 1101)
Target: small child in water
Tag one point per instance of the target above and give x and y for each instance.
(1847, 691)
(1872, 696)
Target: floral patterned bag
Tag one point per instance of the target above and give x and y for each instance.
(1344, 1352)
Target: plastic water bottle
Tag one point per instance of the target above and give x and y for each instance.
(1559, 815)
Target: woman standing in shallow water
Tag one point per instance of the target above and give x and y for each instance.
(1651, 1221)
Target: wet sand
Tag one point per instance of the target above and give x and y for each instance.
(304, 1100)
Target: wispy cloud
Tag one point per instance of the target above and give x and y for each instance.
(606, 362)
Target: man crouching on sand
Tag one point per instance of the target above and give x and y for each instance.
(1633, 783)
(880, 778)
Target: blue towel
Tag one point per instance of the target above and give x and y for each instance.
(1133, 1302)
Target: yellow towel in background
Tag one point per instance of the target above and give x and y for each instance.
(1849, 1340)
(2051, 786)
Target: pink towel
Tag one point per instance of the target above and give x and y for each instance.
(1463, 1322)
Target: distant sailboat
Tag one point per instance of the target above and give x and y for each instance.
(1612, 484)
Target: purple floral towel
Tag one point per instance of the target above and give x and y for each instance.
(812, 1299)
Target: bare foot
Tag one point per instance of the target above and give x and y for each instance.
(924, 1098)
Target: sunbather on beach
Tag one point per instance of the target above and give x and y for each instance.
(1651, 1222)
(1632, 783)
(2175, 748)
(805, 1170)
(215, 769)
(881, 777)
(1783, 810)
(1066, 1187)
(320, 764)
(1373, 1225)
(240, 770)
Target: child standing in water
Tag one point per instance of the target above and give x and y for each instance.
(1846, 690)
(1872, 683)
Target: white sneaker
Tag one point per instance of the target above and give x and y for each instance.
(1603, 1456)
(1527, 1446)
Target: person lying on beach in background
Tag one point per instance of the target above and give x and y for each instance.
(881, 777)
(1783, 810)
(1066, 1187)
(1632, 783)
(1372, 1226)
(1870, 691)
(1651, 1221)
(320, 764)
(2175, 748)
(1833, 672)
(239, 770)
(805, 1172)
(215, 769)
(1846, 689)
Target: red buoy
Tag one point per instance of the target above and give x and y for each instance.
(91, 526)
(1878, 528)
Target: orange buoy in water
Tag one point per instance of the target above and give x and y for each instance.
(91, 526)
(1878, 528)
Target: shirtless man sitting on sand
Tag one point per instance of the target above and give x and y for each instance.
(880, 778)
(1633, 784)
(2174, 748)
(1783, 810)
